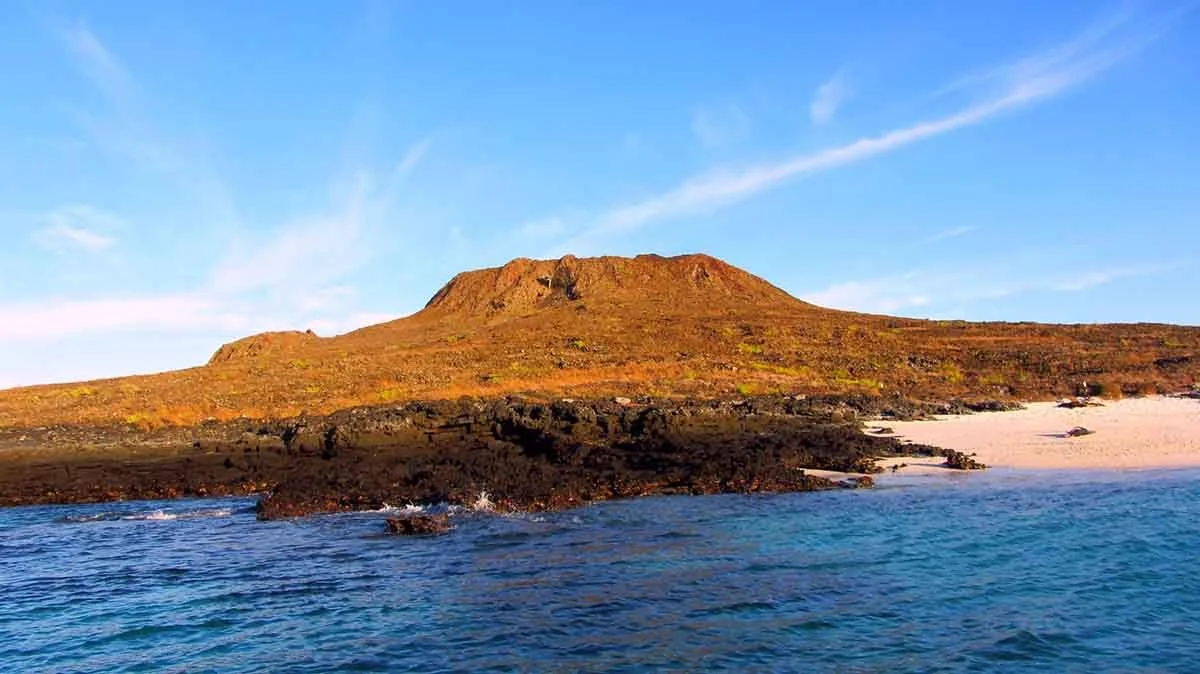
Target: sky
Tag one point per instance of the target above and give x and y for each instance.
(175, 174)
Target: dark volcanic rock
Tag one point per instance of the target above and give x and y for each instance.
(1073, 403)
(418, 524)
(528, 455)
(535, 456)
(972, 406)
(994, 405)
(961, 461)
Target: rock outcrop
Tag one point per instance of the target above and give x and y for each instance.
(527, 455)
(961, 461)
(415, 525)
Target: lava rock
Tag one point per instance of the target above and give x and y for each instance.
(962, 461)
(1073, 403)
(415, 525)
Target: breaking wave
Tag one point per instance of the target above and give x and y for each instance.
(158, 515)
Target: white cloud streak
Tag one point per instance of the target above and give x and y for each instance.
(1091, 279)
(328, 327)
(828, 99)
(97, 62)
(61, 237)
(951, 233)
(412, 158)
(299, 255)
(65, 318)
(1028, 81)
(285, 280)
(890, 294)
(79, 227)
(922, 289)
(291, 277)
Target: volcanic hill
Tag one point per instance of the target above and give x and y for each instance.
(690, 325)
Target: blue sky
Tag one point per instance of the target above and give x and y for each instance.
(177, 174)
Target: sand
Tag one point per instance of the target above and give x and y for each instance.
(1137, 433)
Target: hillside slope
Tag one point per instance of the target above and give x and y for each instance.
(687, 325)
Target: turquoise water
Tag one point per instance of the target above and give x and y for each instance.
(993, 572)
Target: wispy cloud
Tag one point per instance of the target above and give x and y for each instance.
(253, 276)
(65, 318)
(828, 98)
(922, 290)
(1091, 279)
(126, 128)
(889, 294)
(97, 62)
(723, 125)
(328, 327)
(413, 157)
(950, 233)
(292, 277)
(61, 237)
(119, 129)
(300, 254)
(79, 227)
(1028, 81)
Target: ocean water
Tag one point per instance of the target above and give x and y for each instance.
(1006, 572)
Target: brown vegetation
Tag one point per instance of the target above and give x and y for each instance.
(665, 327)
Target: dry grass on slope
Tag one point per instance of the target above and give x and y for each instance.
(689, 325)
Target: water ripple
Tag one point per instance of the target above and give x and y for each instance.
(1053, 572)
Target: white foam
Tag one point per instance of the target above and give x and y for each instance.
(483, 504)
(216, 512)
(151, 516)
(407, 509)
(157, 515)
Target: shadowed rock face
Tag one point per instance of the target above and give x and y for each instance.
(526, 455)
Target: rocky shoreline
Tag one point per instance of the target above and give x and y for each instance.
(527, 455)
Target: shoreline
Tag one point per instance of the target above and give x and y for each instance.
(1151, 433)
(529, 456)
(537, 456)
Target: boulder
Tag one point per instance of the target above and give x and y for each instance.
(1072, 403)
(962, 461)
(856, 482)
(414, 525)
(1079, 431)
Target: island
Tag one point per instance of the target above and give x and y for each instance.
(546, 384)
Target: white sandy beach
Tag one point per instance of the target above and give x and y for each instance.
(1137, 433)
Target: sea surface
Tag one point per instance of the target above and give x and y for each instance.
(1005, 572)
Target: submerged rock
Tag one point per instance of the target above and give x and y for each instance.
(414, 525)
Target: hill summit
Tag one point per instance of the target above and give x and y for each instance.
(690, 325)
(524, 284)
